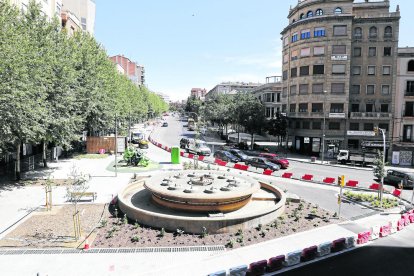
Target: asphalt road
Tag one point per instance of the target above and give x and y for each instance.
(388, 256)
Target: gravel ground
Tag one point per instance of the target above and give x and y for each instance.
(53, 228)
(118, 232)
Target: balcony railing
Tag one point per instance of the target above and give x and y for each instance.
(409, 93)
(371, 115)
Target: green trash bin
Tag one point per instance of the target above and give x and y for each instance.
(175, 155)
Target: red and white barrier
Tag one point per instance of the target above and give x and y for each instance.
(385, 230)
(364, 237)
(375, 232)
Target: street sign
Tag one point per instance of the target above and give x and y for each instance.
(360, 133)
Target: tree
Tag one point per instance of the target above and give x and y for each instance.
(379, 166)
(78, 185)
(193, 104)
(252, 117)
(277, 127)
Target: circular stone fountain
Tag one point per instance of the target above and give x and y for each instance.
(219, 201)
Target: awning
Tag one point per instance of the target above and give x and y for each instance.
(271, 144)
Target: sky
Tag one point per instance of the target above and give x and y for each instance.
(185, 44)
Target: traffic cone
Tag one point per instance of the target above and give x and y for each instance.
(86, 245)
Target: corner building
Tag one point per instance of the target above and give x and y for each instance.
(339, 64)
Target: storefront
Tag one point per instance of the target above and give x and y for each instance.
(313, 145)
(374, 146)
(402, 155)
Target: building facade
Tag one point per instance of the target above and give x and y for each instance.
(49, 8)
(84, 10)
(403, 142)
(339, 74)
(199, 93)
(135, 72)
(270, 94)
(232, 88)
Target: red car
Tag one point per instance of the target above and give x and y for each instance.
(274, 158)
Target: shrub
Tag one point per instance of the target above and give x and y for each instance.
(230, 244)
(125, 219)
(179, 232)
(136, 225)
(162, 233)
(259, 227)
(239, 232)
(104, 222)
(135, 238)
(204, 232)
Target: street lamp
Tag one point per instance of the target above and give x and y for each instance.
(323, 130)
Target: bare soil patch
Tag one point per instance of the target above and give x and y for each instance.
(54, 228)
(120, 232)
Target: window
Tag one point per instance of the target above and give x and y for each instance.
(309, 14)
(286, 58)
(386, 70)
(277, 98)
(297, 124)
(283, 108)
(354, 126)
(83, 23)
(357, 32)
(338, 69)
(339, 30)
(338, 87)
(368, 126)
(319, 12)
(372, 51)
(285, 41)
(409, 109)
(268, 113)
(337, 108)
(356, 89)
(371, 70)
(317, 107)
(295, 54)
(338, 49)
(294, 72)
(373, 32)
(410, 67)
(285, 75)
(303, 89)
(410, 86)
(305, 34)
(387, 52)
(384, 108)
(303, 107)
(305, 125)
(338, 11)
(385, 90)
(370, 89)
(293, 90)
(319, 32)
(355, 108)
(388, 32)
(383, 126)
(269, 97)
(292, 108)
(334, 125)
(305, 52)
(407, 133)
(304, 70)
(357, 51)
(319, 69)
(302, 16)
(356, 70)
(318, 50)
(294, 37)
(369, 107)
(316, 125)
(317, 88)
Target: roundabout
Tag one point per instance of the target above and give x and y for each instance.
(197, 201)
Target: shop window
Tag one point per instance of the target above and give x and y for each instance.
(334, 125)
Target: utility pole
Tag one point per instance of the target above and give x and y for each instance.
(323, 130)
(383, 164)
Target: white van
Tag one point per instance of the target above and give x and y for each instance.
(198, 147)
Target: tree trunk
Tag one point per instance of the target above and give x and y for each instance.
(17, 163)
(44, 156)
(251, 145)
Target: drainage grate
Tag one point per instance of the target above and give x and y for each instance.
(114, 250)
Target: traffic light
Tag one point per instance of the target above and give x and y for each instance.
(376, 131)
(341, 180)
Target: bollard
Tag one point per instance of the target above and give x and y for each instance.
(324, 249)
(293, 258)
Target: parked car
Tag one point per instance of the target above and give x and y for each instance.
(226, 156)
(143, 144)
(184, 142)
(240, 154)
(395, 178)
(261, 162)
(165, 124)
(198, 147)
(274, 158)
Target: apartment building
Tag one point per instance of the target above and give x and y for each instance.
(135, 72)
(199, 93)
(231, 88)
(339, 74)
(50, 8)
(270, 95)
(403, 140)
(84, 11)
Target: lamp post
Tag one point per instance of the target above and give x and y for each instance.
(116, 145)
(323, 129)
(383, 162)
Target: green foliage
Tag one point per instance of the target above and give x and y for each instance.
(379, 166)
(54, 86)
(204, 232)
(135, 238)
(373, 200)
(162, 233)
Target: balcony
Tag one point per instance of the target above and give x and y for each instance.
(409, 93)
(371, 115)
